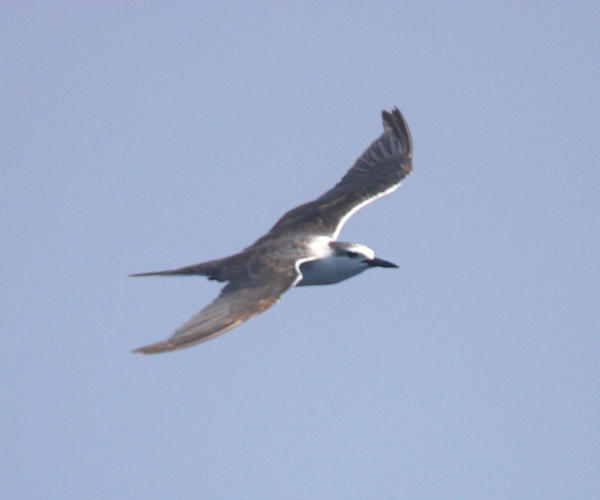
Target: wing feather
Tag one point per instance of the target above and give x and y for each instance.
(236, 304)
(378, 171)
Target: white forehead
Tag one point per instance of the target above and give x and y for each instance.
(360, 248)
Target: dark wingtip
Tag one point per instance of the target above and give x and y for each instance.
(394, 122)
(158, 347)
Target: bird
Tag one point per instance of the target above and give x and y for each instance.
(301, 249)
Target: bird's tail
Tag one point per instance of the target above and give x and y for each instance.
(213, 269)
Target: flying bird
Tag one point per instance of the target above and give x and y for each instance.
(301, 248)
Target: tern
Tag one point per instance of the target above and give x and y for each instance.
(301, 248)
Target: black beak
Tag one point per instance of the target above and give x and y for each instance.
(376, 262)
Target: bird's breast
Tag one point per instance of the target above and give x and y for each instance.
(329, 270)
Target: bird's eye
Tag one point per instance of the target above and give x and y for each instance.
(351, 254)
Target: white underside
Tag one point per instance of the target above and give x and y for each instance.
(329, 270)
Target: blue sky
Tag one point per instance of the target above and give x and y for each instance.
(145, 135)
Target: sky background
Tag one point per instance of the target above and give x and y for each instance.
(139, 136)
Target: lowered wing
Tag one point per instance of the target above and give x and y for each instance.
(238, 302)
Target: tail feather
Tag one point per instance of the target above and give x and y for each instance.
(170, 272)
(212, 269)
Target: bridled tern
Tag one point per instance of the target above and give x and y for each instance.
(301, 248)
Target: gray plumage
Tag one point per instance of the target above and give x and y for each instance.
(301, 248)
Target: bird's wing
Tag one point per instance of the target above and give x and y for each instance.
(241, 299)
(377, 172)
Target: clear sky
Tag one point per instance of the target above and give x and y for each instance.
(145, 135)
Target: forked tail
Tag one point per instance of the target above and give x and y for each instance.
(211, 269)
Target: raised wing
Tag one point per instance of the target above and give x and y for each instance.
(378, 172)
(238, 302)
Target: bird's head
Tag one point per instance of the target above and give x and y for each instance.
(360, 254)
